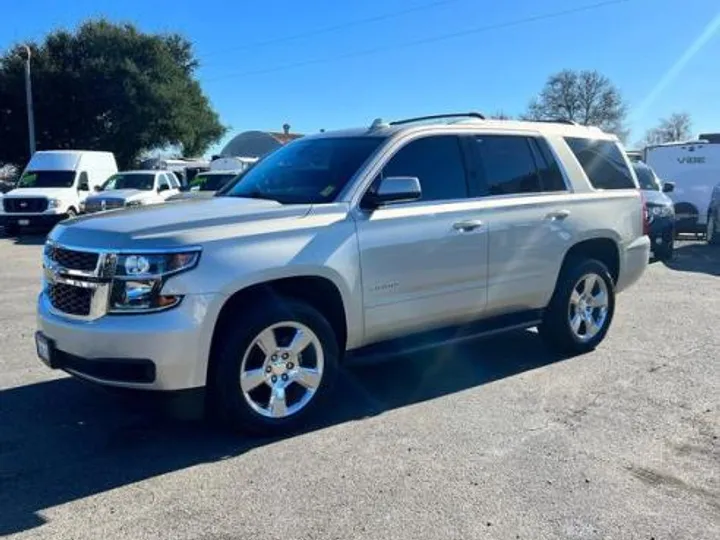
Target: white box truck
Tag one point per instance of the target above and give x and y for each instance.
(53, 187)
(694, 167)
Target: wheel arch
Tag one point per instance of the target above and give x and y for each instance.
(321, 292)
(602, 248)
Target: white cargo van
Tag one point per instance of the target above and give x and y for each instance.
(694, 167)
(54, 186)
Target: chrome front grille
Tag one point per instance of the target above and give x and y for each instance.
(73, 260)
(98, 205)
(71, 300)
(77, 283)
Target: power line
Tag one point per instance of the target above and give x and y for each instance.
(335, 28)
(423, 41)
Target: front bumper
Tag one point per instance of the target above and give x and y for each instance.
(167, 350)
(662, 231)
(31, 220)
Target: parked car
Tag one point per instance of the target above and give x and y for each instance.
(344, 246)
(712, 233)
(206, 184)
(53, 187)
(661, 213)
(133, 188)
(694, 167)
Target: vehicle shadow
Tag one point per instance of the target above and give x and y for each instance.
(64, 440)
(696, 257)
(34, 238)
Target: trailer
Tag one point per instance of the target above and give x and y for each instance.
(694, 167)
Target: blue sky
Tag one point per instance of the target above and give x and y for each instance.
(321, 63)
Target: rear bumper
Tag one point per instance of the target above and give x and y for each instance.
(634, 260)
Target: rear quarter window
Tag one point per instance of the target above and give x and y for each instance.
(603, 163)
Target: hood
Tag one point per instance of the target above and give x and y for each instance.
(180, 223)
(50, 193)
(124, 194)
(656, 197)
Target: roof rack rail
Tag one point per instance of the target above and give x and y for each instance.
(437, 117)
(557, 121)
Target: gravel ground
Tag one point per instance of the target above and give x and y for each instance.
(495, 439)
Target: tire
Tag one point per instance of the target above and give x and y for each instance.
(666, 251)
(277, 374)
(557, 328)
(712, 235)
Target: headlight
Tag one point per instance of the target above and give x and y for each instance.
(133, 203)
(54, 203)
(661, 211)
(139, 278)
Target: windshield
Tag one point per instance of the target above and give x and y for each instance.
(210, 182)
(130, 181)
(47, 179)
(646, 178)
(306, 171)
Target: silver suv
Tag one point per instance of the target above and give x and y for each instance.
(348, 244)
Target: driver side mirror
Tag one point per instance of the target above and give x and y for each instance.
(668, 187)
(97, 188)
(393, 189)
(162, 188)
(83, 187)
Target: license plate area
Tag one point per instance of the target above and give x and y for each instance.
(45, 349)
(23, 222)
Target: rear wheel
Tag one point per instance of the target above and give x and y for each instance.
(581, 309)
(712, 235)
(274, 368)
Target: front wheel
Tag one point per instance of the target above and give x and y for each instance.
(712, 235)
(581, 309)
(666, 251)
(274, 367)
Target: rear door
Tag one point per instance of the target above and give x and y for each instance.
(424, 263)
(529, 215)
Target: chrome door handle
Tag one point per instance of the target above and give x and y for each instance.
(467, 225)
(558, 215)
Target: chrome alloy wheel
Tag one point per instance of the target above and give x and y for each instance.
(281, 369)
(588, 309)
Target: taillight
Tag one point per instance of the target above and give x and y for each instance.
(645, 215)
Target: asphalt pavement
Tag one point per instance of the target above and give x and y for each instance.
(496, 439)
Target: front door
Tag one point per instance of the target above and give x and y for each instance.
(424, 264)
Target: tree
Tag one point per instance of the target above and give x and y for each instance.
(500, 115)
(106, 87)
(586, 97)
(677, 127)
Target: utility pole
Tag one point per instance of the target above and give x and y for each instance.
(29, 102)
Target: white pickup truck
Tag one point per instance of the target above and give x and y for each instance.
(348, 244)
(133, 188)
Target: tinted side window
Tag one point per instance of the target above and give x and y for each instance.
(548, 167)
(602, 162)
(162, 181)
(436, 162)
(507, 165)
